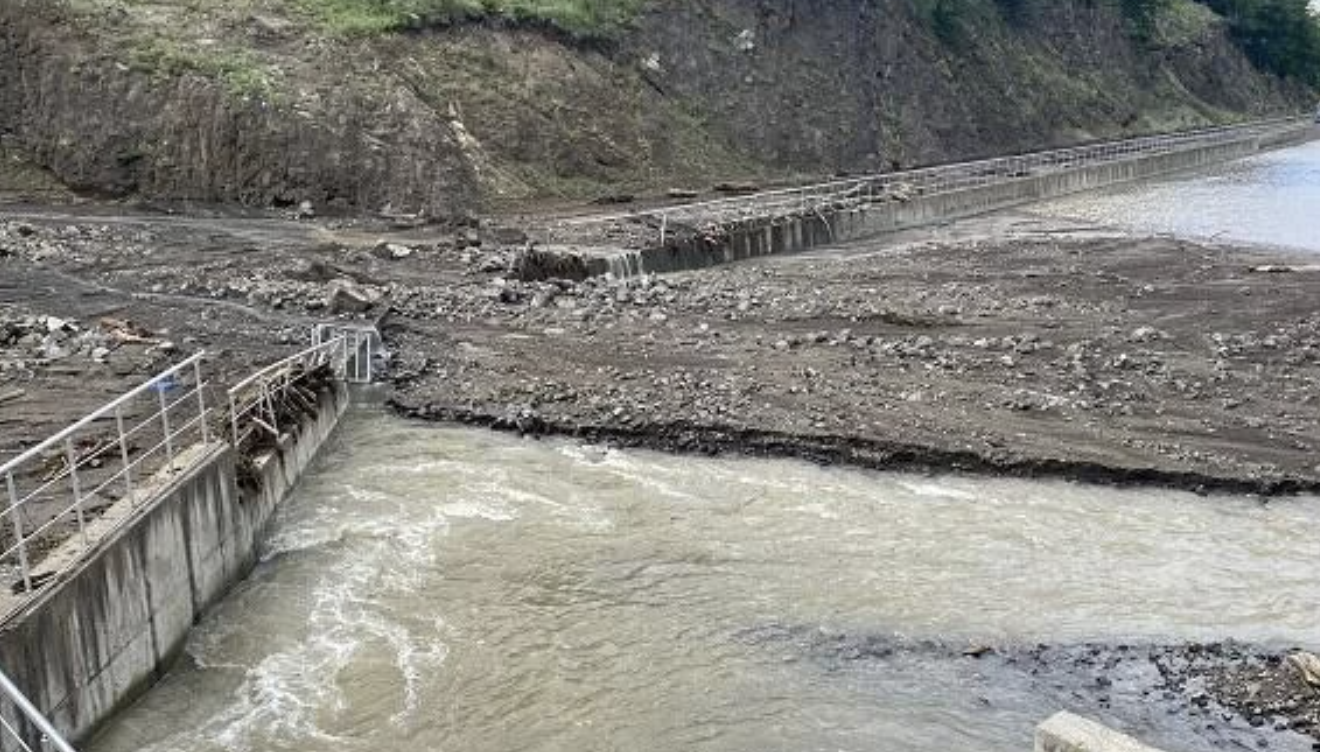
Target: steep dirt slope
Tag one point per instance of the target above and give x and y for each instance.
(865, 84)
(256, 101)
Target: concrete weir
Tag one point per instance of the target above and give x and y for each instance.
(101, 635)
(792, 231)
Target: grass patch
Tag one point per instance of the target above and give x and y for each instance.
(582, 18)
(240, 71)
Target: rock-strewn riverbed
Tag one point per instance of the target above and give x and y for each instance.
(1040, 352)
(1111, 359)
(1096, 357)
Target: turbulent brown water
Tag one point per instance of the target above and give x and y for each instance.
(1272, 199)
(444, 589)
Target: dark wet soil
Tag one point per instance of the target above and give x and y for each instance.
(1198, 696)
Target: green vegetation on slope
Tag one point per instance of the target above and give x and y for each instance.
(586, 18)
(242, 72)
(1280, 36)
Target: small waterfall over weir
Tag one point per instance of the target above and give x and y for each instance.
(625, 264)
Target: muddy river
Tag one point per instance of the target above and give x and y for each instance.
(433, 588)
(1271, 199)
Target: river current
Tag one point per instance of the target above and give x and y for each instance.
(434, 588)
(1272, 199)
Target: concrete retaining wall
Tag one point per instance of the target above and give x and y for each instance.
(793, 233)
(93, 642)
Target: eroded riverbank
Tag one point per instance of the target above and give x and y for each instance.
(1050, 351)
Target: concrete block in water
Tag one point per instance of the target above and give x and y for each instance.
(1065, 732)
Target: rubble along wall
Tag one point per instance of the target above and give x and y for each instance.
(793, 233)
(94, 641)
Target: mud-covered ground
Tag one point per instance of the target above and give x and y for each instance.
(1048, 350)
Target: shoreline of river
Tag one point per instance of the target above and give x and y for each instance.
(1051, 350)
(1009, 345)
(682, 438)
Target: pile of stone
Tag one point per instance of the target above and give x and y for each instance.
(27, 341)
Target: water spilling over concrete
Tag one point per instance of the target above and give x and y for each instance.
(437, 588)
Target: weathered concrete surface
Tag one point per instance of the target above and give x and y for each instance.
(1065, 732)
(95, 640)
(793, 233)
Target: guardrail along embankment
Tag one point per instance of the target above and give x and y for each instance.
(125, 527)
(697, 235)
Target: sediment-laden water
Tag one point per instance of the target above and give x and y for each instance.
(443, 589)
(1270, 199)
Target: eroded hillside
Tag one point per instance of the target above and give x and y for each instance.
(277, 102)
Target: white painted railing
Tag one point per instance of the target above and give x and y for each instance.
(58, 489)
(929, 181)
(54, 490)
(255, 402)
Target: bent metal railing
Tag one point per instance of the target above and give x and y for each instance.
(902, 186)
(255, 402)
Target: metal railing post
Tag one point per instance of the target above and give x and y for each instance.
(72, 458)
(268, 407)
(17, 517)
(233, 418)
(123, 455)
(165, 421)
(664, 226)
(201, 402)
(359, 367)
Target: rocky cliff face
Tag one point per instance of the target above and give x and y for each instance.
(76, 106)
(864, 85)
(248, 104)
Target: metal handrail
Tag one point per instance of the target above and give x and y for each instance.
(940, 178)
(268, 382)
(360, 340)
(102, 412)
(278, 366)
(34, 716)
(78, 477)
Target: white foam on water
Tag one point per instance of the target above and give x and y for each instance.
(368, 559)
(937, 489)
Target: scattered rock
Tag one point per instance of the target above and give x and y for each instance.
(1307, 666)
(343, 296)
(391, 251)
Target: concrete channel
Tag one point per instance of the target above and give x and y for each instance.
(708, 234)
(111, 623)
